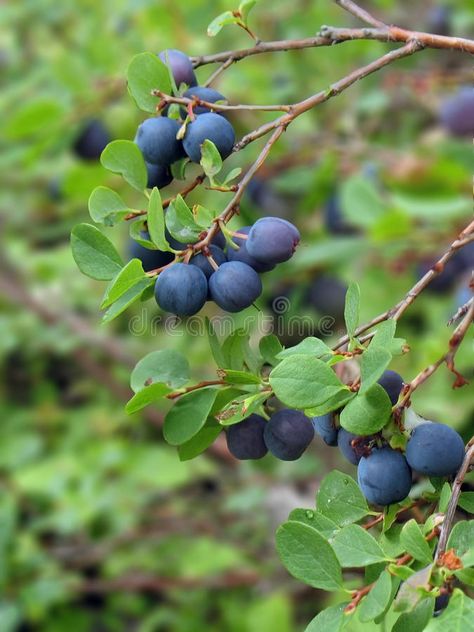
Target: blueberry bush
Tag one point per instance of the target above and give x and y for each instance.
(389, 535)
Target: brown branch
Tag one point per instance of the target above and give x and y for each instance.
(453, 501)
(448, 358)
(329, 36)
(218, 107)
(464, 238)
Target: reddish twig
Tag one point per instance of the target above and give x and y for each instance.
(195, 387)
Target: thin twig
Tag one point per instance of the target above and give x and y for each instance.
(219, 107)
(453, 501)
(464, 238)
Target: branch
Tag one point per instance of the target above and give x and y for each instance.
(166, 98)
(453, 501)
(464, 238)
(332, 35)
(448, 358)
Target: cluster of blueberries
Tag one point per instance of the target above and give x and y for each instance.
(157, 137)
(229, 278)
(384, 474)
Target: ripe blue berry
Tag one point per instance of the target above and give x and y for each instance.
(384, 476)
(245, 439)
(326, 429)
(156, 137)
(181, 66)
(392, 383)
(91, 140)
(242, 254)
(435, 450)
(272, 240)
(158, 176)
(181, 289)
(202, 262)
(234, 286)
(288, 433)
(211, 127)
(353, 447)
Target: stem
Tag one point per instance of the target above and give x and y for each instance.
(453, 501)
(359, 12)
(195, 387)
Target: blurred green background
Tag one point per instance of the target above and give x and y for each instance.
(102, 528)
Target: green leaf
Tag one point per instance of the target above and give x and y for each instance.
(352, 308)
(373, 363)
(234, 349)
(245, 7)
(124, 157)
(127, 298)
(188, 415)
(329, 620)
(147, 396)
(146, 72)
(444, 497)
(417, 619)
(200, 442)
(211, 160)
(308, 556)
(128, 276)
(203, 216)
(233, 173)
(221, 20)
(167, 366)
(106, 207)
(309, 346)
(384, 334)
(354, 546)
(403, 572)
(466, 501)
(241, 407)
(138, 231)
(302, 381)
(156, 221)
(434, 209)
(461, 538)
(368, 412)
(180, 222)
(31, 117)
(316, 520)
(270, 347)
(361, 203)
(378, 598)
(411, 590)
(340, 499)
(239, 377)
(214, 344)
(333, 403)
(457, 617)
(414, 543)
(94, 254)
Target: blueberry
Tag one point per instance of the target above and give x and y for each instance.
(202, 262)
(272, 240)
(156, 137)
(205, 94)
(158, 176)
(181, 289)
(242, 255)
(441, 603)
(384, 476)
(245, 439)
(353, 447)
(326, 429)
(181, 66)
(91, 140)
(219, 240)
(327, 295)
(392, 383)
(457, 113)
(234, 286)
(288, 433)
(211, 127)
(151, 259)
(435, 450)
